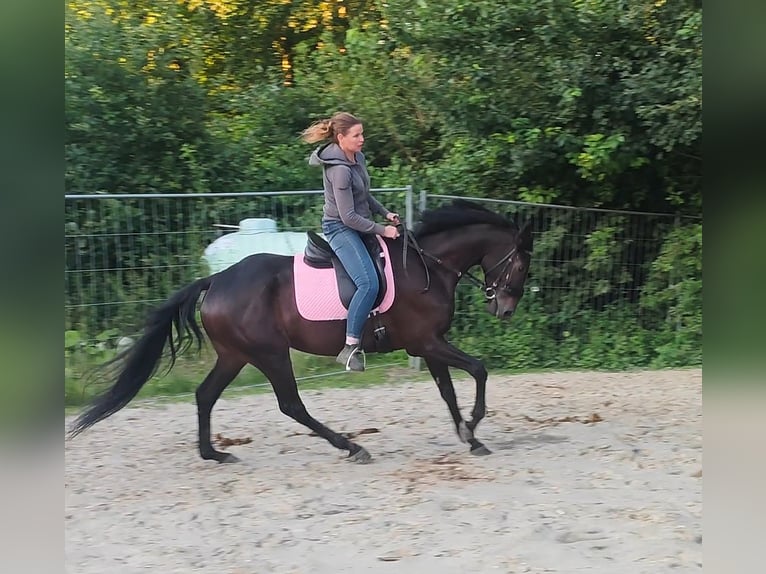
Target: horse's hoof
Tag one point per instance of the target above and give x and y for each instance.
(228, 458)
(361, 456)
(480, 450)
(464, 432)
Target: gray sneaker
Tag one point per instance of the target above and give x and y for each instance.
(351, 357)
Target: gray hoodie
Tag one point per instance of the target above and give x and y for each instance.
(347, 195)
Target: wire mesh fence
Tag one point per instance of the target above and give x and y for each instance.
(590, 270)
(584, 304)
(125, 253)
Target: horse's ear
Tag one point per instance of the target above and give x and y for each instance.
(525, 237)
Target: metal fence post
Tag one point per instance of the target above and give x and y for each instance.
(674, 273)
(415, 362)
(408, 211)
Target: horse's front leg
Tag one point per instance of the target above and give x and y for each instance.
(440, 372)
(439, 357)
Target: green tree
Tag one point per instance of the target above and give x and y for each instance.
(585, 103)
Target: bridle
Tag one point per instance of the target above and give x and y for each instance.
(490, 291)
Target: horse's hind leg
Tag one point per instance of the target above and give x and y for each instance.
(223, 373)
(276, 365)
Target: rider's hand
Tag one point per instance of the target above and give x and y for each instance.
(390, 231)
(393, 217)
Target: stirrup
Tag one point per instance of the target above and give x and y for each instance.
(346, 361)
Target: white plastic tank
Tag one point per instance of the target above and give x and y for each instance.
(253, 235)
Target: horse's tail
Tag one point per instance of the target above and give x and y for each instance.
(137, 364)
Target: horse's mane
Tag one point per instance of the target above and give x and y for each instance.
(459, 213)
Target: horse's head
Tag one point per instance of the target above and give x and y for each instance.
(466, 231)
(506, 269)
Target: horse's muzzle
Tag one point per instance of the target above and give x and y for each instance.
(505, 314)
(499, 310)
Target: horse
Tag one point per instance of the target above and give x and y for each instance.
(249, 315)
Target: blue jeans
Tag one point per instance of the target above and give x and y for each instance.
(351, 251)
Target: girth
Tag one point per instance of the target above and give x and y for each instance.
(319, 254)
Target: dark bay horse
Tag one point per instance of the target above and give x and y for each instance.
(249, 314)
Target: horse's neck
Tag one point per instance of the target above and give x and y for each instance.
(461, 249)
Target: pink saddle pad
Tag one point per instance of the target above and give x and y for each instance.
(316, 290)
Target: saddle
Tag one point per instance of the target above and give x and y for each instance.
(319, 255)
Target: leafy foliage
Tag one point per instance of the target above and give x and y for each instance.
(589, 103)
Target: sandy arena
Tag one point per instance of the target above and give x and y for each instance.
(590, 472)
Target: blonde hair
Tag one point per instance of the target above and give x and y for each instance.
(328, 129)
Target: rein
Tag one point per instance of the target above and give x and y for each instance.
(489, 291)
(409, 239)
